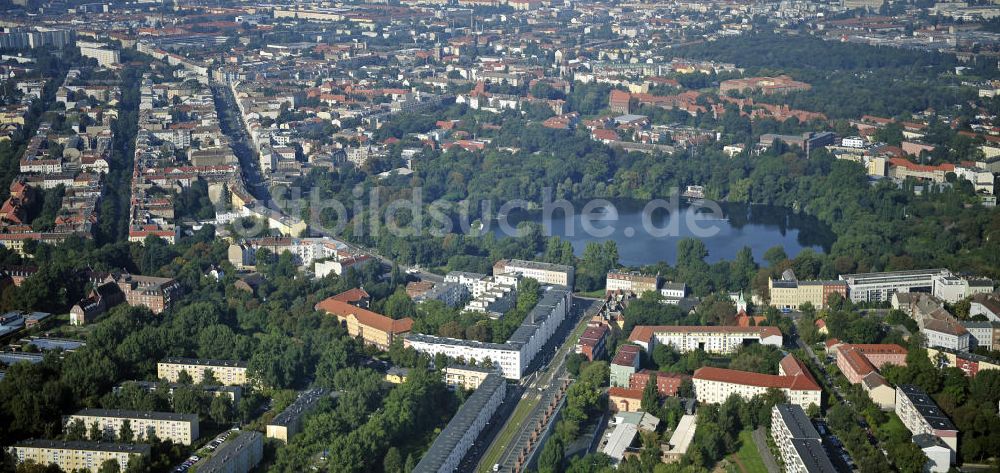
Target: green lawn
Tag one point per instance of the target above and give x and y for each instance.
(599, 293)
(507, 434)
(748, 457)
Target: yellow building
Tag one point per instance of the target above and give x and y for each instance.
(790, 293)
(289, 422)
(466, 377)
(178, 428)
(396, 375)
(374, 329)
(72, 456)
(227, 372)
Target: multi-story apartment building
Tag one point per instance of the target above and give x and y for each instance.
(946, 332)
(921, 415)
(74, 456)
(516, 354)
(450, 293)
(673, 291)
(465, 376)
(227, 372)
(240, 453)
(712, 339)
(179, 428)
(374, 328)
(667, 384)
(877, 287)
(714, 385)
(288, 423)
(632, 282)
(855, 361)
(798, 441)
(545, 273)
(970, 363)
(790, 293)
(624, 365)
(105, 56)
(155, 293)
(233, 393)
(952, 289)
(592, 343)
(460, 434)
(305, 251)
(982, 334)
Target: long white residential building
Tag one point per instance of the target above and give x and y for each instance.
(798, 441)
(513, 356)
(712, 339)
(461, 433)
(714, 385)
(921, 415)
(877, 287)
(545, 273)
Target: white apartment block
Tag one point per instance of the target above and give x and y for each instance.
(74, 456)
(877, 287)
(179, 428)
(712, 339)
(798, 441)
(921, 415)
(714, 385)
(466, 377)
(853, 142)
(461, 433)
(465, 278)
(513, 356)
(105, 55)
(716, 391)
(952, 289)
(673, 290)
(545, 273)
(946, 333)
(227, 372)
(240, 453)
(504, 355)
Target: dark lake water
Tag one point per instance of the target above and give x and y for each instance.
(647, 236)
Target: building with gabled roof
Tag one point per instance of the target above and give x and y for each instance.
(77, 455)
(714, 385)
(921, 415)
(374, 328)
(712, 339)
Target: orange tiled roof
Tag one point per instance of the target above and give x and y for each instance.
(365, 317)
(797, 383)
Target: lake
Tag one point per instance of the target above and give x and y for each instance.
(757, 226)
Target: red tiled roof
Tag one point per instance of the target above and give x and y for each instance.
(792, 366)
(625, 392)
(626, 355)
(351, 295)
(365, 317)
(592, 335)
(879, 348)
(947, 167)
(858, 362)
(797, 383)
(643, 333)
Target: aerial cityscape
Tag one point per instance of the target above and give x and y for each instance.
(476, 236)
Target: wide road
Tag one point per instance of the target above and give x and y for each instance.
(231, 123)
(835, 446)
(539, 388)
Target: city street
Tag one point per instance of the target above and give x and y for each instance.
(540, 387)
